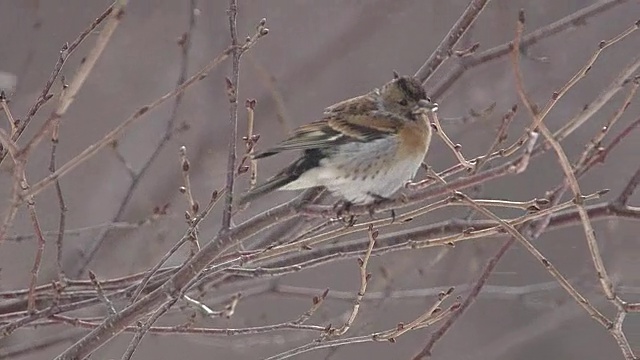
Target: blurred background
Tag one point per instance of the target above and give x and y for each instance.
(317, 53)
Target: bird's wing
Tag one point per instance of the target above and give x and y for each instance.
(311, 136)
(338, 128)
(367, 102)
(366, 127)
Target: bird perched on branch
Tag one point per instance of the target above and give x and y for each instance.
(362, 150)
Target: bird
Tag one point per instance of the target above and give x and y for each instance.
(363, 149)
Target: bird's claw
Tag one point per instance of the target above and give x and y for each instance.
(342, 207)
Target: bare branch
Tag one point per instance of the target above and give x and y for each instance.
(136, 176)
(566, 23)
(445, 49)
(364, 280)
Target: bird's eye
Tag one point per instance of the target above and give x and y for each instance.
(403, 102)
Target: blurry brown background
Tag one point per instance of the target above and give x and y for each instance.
(317, 53)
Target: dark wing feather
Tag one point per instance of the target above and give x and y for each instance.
(357, 119)
(311, 136)
(284, 177)
(358, 104)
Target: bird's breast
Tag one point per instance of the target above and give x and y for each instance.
(414, 139)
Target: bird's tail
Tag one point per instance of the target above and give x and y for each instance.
(274, 183)
(290, 174)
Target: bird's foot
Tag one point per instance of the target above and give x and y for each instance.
(342, 209)
(377, 200)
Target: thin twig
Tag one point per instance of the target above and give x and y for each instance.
(364, 280)
(614, 328)
(596, 212)
(628, 190)
(175, 285)
(16, 185)
(224, 332)
(144, 328)
(618, 333)
(100, 293)
(446, 234)
(601, 272)
(469, 299)
(566, 23)
(268, 81)
(186, 184)
(317, 302)
(500, 138)
(455, 148)
(122, 225)
(616, 85)
(426, 192)
(581, 300)
(215, 196)
(445, 48)
(602, 154)
(557, 95)
(82, 73)
(251, 140)
(37, 262)
(236, 239)
(594, 145)
(480, 284)
(494, 292)
(429, 317)
(422, 321)
(137, 176)
(228, 311)
(194, 206)
(65, 52)
(113, 134)
(516, 166)
(61, 203)
(232, 95)
(42, 343)
(13, 125)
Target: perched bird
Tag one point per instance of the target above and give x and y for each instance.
(363, 150)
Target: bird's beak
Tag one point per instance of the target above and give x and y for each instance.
(428, 105)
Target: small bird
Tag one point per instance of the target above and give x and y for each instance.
(362, 150)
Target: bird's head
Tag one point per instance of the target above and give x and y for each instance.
(404, 95)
